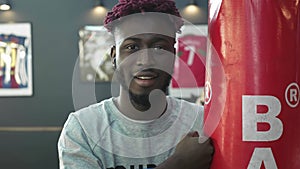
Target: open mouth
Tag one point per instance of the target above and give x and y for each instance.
(146, 75)
(145, 78)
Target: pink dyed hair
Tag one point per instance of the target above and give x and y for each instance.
(128, 7)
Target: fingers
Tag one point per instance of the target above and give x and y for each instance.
(210, 147)
(203, 139)
(193, 134)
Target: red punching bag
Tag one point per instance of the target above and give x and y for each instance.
(252, 109)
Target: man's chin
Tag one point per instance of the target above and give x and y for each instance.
(141, 99)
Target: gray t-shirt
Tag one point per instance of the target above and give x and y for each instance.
(100, 136)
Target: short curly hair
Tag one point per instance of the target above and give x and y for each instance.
(128, 7)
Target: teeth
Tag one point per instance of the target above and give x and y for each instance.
(144, 77)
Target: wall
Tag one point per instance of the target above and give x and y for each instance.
(55, 26)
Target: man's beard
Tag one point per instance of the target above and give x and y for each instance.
(142, 101)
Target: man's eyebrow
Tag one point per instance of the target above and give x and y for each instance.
(165, 39)
(128, 39)
(132, 39)
(154, 40)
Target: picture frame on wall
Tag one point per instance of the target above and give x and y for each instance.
(16, 59)
(94, 54)
(189, 70)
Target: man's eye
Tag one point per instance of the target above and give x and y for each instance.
(132, 47)
(158, 47)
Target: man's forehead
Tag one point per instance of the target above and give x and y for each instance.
(136, 24)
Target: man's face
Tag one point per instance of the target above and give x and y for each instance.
(144, 54)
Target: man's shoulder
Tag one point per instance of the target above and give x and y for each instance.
(178, 102)
(94, 108)
(93, 114)
(93, 119)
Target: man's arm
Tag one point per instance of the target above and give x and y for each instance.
(190, 154)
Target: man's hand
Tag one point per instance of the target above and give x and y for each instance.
(192, 154)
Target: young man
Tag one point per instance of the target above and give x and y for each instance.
(142, 127)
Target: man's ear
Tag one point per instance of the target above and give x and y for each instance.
(113, 55)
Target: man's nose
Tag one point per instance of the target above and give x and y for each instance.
(145, 58)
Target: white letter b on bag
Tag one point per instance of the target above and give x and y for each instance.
(251, 118)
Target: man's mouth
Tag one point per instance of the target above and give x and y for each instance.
(145, 78)
(146, 75)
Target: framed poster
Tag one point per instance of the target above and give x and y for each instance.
(189, 70)
(15, 59)
(94, 57)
